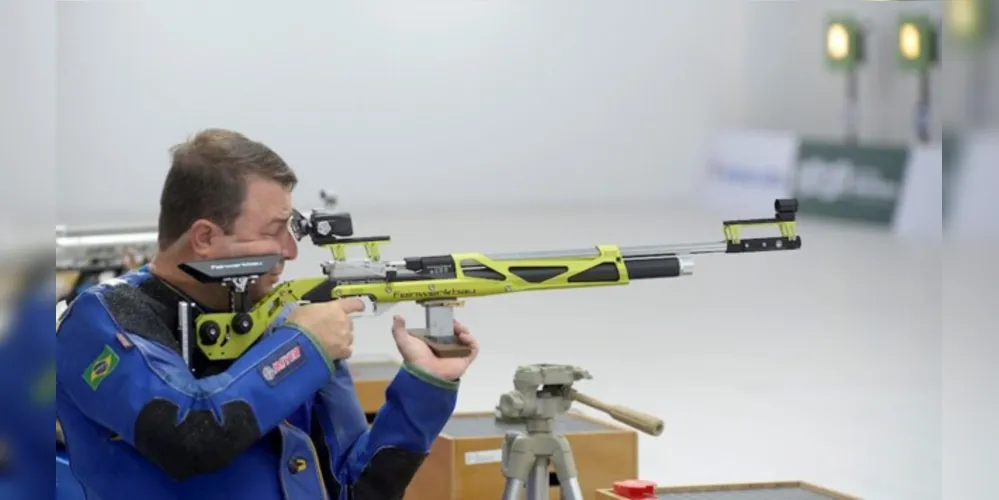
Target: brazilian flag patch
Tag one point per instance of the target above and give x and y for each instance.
(100, 368)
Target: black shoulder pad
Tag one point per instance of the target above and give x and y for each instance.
(132, 308)
(387, 475)
(198, 444)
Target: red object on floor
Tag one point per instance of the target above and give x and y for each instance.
(635, 489)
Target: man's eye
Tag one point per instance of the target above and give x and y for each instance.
(280, 231)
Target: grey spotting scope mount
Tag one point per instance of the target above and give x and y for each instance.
(542, 393)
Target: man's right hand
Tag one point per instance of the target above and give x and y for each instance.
(330, 324)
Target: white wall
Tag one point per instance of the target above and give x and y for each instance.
(27, 118)
(456, 102)
(445, 103)
(791, 87)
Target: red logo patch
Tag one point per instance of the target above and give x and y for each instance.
(272, 370)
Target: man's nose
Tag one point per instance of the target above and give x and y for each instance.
(289, 247)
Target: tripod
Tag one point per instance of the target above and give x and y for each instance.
(542, 393)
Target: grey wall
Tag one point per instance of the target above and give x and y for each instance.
(27, 117)
(966, 72)
(447, 103)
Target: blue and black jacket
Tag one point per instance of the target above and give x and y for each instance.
(281, 422)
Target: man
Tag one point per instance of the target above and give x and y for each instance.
(138, 422)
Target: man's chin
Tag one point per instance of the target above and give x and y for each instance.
(264, 285)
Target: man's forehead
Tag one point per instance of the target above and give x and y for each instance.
(267, 200)
(268, 207)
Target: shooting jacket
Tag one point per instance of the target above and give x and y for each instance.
(281, 422)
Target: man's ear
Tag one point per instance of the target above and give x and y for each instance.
(201, 234)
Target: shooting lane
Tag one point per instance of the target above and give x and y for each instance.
(783, 490)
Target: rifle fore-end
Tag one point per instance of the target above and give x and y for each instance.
(467, 275)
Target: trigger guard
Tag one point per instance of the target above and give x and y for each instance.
(370, 308)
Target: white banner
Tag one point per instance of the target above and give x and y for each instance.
(975, 204)
(919, 211)
(749, 169)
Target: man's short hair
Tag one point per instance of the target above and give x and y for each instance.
(208, 178)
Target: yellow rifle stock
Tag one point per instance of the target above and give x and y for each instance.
(439, 282)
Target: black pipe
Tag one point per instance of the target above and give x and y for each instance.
(652, 268)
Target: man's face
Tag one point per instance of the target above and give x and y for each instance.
(261, 228)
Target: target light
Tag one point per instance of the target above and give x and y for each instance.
(844, 43)
(845, 52)
(917, 44)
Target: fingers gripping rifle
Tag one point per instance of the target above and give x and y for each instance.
(439, 282)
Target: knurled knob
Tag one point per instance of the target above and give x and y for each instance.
(511, 403)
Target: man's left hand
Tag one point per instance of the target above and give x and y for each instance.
(418, 353)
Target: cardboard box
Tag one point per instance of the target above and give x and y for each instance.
(465, 461)
(371, 378)
(789, 490)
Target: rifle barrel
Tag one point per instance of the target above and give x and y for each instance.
(679, 250)
(626, 252)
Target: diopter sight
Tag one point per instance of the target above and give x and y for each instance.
(335, 231)
(323, 227)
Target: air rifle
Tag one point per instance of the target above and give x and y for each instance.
(438, 282)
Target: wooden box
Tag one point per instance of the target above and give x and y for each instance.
(465, 461)
(65, 282)
(786, 490)
(371, 378)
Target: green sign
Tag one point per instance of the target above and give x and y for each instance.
(854, 182)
